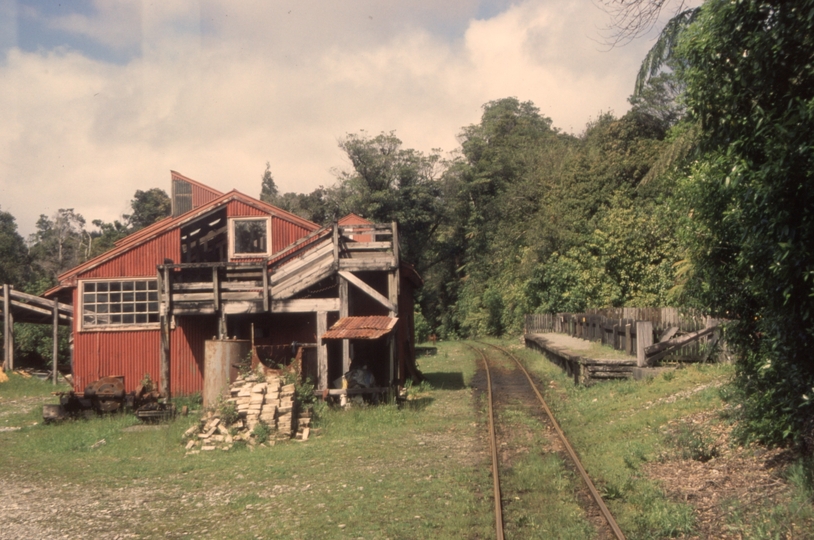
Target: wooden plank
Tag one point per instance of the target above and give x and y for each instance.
(311, 278)
(38, 310)
(55, 349)
(294, 267)
(368, 246)
(304, 273)
(356, 391)
(266, 291)
(322, 351)
(335, 244)
(644, 338)
(215, 289)
(668, 334)
(305, 305)
(344, 311)
(47, 304)
(7, 364)
(660, 350)
(393, 292)
(370, 291)
(379, 263)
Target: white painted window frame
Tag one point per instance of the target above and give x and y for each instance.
(83, 327)
(233, 254)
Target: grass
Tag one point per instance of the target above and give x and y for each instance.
(370, 472)
(416, 471)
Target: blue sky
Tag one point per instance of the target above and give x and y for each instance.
(100, 98)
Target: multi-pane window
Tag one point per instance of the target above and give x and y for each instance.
(249, 237)
(124, 302)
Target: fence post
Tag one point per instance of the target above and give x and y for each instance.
(644, 338)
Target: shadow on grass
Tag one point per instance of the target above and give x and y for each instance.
(447, 380)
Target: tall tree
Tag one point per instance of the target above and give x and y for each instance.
(14, 259)
(148, 207)
(60, 242)
(268, 188)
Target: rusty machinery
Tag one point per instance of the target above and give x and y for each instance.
(108, 395)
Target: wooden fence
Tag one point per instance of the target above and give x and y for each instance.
(617, 328)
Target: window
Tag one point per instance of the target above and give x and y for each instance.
(249, 237)
(126, 302)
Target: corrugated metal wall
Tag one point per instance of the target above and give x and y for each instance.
(202, 196)
(142, 260)
(136, 352)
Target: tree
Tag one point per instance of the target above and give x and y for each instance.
(148, 207)
(59, 243)
(750, 86)
(390, 183)
(268, 188)
(14, 260)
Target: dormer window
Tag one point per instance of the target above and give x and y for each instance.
(249, 237)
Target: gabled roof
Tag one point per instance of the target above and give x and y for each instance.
(160, 227)
(354, 219)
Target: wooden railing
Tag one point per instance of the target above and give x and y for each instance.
(650, 334)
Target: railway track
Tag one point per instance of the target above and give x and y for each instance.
(512, 387)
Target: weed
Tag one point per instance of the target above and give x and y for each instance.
(228, 412)
(669, 375)
(191, 401)
(692, 443)
(261, 433)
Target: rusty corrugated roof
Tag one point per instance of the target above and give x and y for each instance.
(372, 327)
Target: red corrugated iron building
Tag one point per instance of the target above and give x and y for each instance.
(223, 266)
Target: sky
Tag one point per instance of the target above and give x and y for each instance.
(99, 98)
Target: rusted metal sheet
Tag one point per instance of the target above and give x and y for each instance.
(141, 260)
(134, 353)
(221, 355)
(371, 327)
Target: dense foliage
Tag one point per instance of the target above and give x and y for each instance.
(750, 84)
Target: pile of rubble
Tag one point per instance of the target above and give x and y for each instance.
(254, 401)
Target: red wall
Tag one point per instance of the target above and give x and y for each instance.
(133, 353)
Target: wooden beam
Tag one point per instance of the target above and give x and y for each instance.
(662, 349)
(395, 228)
(216, 288)
(393, 291)
(266, 289)
(322, 351)
(6, 327)
(164, 318)
(55, 351)
(344, 311)
(381, 262)
(306, 305)
(644, 339)
(336, 245)
(47, 304)
(370, 291)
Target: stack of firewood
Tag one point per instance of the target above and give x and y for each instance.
(256, 400)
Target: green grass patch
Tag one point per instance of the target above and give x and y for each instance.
(386, 471)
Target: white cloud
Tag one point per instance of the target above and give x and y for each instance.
(219, 90)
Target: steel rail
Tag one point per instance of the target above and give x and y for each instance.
(591, 487)
(493, 447)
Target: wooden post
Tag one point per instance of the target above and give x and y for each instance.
(395, 228)
(322, 350)
(628, 339)
(6, 326)
(644, 339)
(393, 291)
(55, 354)
(164, 353)
(392, 340)
(223, 328)
(344, 311)
(215, 288)
(266, 290)
(336, 245)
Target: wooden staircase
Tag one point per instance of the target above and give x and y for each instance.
(271, 285)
